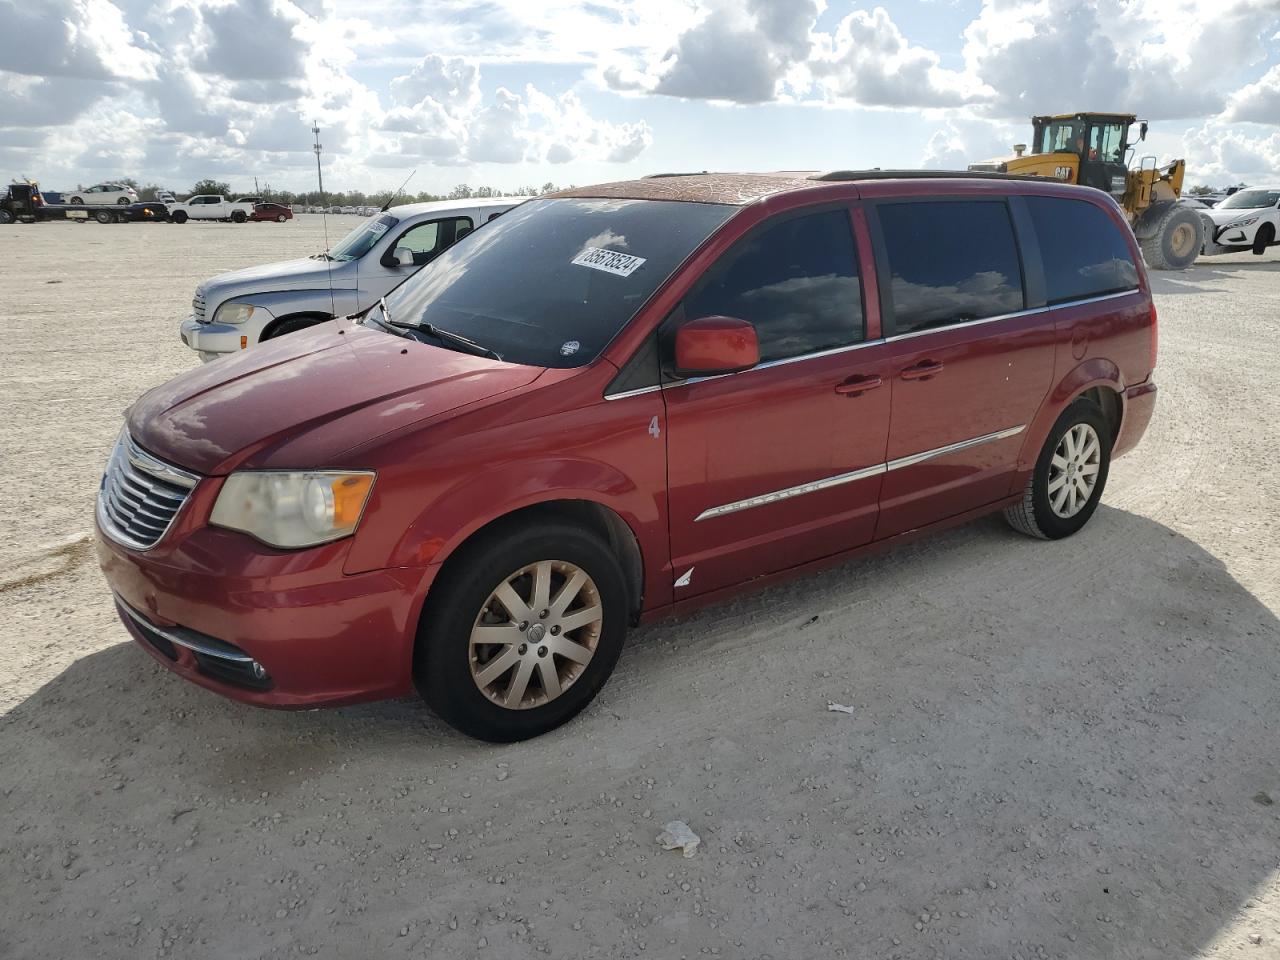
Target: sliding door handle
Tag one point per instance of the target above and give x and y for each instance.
(922, 370)
(856, 385)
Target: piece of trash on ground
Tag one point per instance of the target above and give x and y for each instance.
(677, 836)
(838, 707)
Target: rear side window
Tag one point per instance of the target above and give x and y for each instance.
(950, 262)
(796, 281)
(1084, 252)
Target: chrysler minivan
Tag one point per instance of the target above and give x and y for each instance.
(618, 402)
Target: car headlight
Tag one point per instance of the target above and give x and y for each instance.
(286, 509)
(233, 313)
(1241, 223)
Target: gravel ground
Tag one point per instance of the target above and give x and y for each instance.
(1055, 750)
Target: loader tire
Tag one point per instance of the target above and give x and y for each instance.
(1176, 242)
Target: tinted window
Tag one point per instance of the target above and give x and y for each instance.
(950, 262)
(796, 281)
(552, 281)
(359, 241)
(1085, 253)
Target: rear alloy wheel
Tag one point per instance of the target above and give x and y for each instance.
(521, 632)
(79, 200)
(1070, 474)
(280, 218)
(105, 216)
(123, 202)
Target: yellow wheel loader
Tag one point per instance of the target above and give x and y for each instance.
(1093, 149)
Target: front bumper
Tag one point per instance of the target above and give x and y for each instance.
(213, 340)
(216, 603)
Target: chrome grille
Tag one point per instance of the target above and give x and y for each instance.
(140, 495)
(197, 306)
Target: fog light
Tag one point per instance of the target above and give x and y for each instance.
(259, 671)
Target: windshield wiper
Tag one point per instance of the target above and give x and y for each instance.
(444, 336)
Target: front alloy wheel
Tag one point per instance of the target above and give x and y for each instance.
(536, 634)
(521, 630)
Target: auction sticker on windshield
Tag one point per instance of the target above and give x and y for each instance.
(610, 261)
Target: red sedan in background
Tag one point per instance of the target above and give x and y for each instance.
(271, 211)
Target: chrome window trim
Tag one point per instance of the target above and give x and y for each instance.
(183, 637)
(871, 343)
(815, 485)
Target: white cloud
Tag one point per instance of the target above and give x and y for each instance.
(1258, 102)
(868, 61)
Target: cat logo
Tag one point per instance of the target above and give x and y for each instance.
(1062, 173)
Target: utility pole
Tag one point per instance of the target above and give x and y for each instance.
(315, 128)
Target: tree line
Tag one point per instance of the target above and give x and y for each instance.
(340, 198)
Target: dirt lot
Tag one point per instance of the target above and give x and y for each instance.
(1056, 750)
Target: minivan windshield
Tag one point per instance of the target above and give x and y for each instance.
(1250, 200)
(360, 240)
(552, 281)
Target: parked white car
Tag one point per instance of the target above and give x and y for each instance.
(236, 310)
(104, 193)
(1249, 219)
(210, 206)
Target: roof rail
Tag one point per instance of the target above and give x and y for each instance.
(877, 174)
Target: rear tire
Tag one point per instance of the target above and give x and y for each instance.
(552, 671)
(79, 200)
(179, 216)
(237, 216)
(1049, 509)
(104, 216)
(123, 202)
(1265, 237)
(6, 217)
(1176, 242)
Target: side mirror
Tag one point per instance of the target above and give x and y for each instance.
(1142, 131)
(714, 345)
(402, 257)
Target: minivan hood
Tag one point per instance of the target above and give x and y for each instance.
(301, 400)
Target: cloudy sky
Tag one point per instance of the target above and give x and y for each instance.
(510, 92)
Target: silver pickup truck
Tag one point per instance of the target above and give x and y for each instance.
(236, 310)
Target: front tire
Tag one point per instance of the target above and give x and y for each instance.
(179, 216)
(1070, 474)
(280, 218)
(6, 217)
(1265, 236)
(521, 631)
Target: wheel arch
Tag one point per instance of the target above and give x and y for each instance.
(590, 515)
(1097, 379)
(271, 328)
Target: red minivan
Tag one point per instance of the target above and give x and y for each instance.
(617, 402)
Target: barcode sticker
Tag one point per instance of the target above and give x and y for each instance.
(610, 261)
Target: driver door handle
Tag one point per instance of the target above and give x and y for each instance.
(922, 370)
